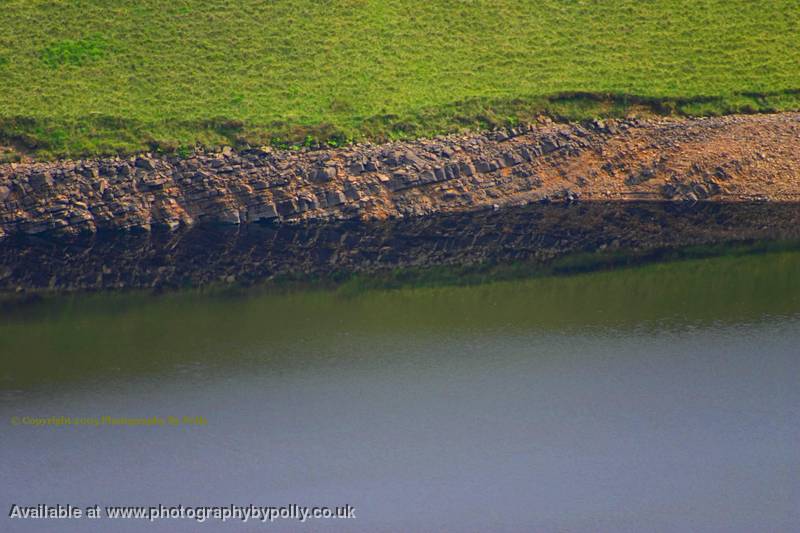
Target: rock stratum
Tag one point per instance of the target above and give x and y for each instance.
(744, 158)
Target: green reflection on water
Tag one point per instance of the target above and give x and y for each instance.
(74, 337)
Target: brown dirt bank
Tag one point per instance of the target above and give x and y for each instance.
(722, 159)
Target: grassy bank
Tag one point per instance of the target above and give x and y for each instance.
(100, 76)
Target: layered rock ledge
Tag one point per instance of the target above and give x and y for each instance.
(742, 158)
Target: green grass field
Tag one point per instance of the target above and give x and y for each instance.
(100, 76)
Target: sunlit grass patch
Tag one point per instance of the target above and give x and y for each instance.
(169, 73)
(74, 52)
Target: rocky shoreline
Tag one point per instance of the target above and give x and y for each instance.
(525, 195)
(740, 158)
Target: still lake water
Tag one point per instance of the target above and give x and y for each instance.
(663, 398)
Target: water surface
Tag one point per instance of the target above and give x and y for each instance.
(663, 398)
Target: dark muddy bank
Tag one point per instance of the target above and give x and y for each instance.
(248, 254)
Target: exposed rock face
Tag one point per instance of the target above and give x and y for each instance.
(735, 158)
(254, 253)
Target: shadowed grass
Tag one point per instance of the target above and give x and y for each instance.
(98, 76)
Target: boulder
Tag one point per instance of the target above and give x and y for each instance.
(549, 144)
(40, 180)
(325, 173)
(484, 166)
(466, 169)
(356, 168)
(145, 163)
(287, 207)
(228, 216)
(334, 197)
(262, 212)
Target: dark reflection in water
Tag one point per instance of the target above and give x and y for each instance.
(661, 398)
(249, 254)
